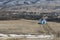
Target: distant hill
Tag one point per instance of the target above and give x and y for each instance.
(30, 5)
(9, 3)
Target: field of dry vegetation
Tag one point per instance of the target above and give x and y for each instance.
(25, 27)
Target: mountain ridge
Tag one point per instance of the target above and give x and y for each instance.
(25, 2)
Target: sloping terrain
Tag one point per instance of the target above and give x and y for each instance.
(12, 3)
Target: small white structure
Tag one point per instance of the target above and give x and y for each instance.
(42, 21)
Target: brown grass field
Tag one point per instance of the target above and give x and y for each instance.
(25, 27)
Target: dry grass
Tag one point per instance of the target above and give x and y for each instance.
(26, 39)
(19, 26)
(25, 26)
(14, 39)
